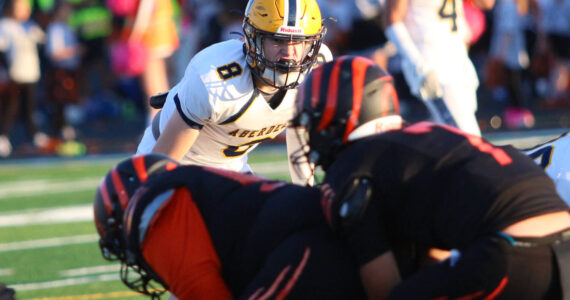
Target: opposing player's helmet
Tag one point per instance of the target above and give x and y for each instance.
(114, 193)
(286, 21)
(339, 102)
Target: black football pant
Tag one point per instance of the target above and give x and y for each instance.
(496, 267)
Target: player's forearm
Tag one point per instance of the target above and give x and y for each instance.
(176, 139)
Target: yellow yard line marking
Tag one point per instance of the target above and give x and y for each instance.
(94, 296)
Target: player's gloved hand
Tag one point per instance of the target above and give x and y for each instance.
(423, 80)
(430, 88)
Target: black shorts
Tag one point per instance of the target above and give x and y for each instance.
(526, 269)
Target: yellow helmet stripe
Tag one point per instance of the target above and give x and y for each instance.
(291, 12)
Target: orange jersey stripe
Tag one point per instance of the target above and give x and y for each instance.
(179, 249)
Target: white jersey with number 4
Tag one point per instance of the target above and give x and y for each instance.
(439, 30)
(554, 158)
(217, 96)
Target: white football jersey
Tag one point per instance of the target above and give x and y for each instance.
(217, 96)
(554, 158)
(439, 29)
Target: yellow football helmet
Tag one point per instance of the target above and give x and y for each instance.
(282, 20)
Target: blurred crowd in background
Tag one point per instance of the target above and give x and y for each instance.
(75, 75)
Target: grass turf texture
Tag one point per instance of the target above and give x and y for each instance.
(28, 186)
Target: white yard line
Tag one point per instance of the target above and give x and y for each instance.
(76, 213)
(27, 188)
(51, 242)
(6, 272)
(64, 282)
(90, 270)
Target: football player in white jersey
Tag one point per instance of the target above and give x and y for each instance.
(554, 157)
(431, 37)
(237, 94)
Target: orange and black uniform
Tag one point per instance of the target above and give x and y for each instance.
(435, 187)
(214, 234)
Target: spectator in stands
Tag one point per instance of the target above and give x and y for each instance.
(19, 39)
(153, 25)
(63, 52)
(92, 22)
(554, 38)
(508, 59)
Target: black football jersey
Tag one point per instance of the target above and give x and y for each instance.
(439, 187)
(246, 216)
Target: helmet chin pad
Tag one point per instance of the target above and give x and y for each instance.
(280, 79)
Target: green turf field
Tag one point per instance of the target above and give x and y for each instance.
(48, 243)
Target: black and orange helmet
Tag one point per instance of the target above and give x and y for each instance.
(114, 193)
(346, 99)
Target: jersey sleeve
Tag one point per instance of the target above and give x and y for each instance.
(192, 100)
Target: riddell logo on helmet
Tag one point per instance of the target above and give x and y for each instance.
(290, 30)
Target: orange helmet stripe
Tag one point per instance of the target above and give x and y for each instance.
(105, 196)
(120, 188)
(140, 168)
(332, 95)
(359, 66)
